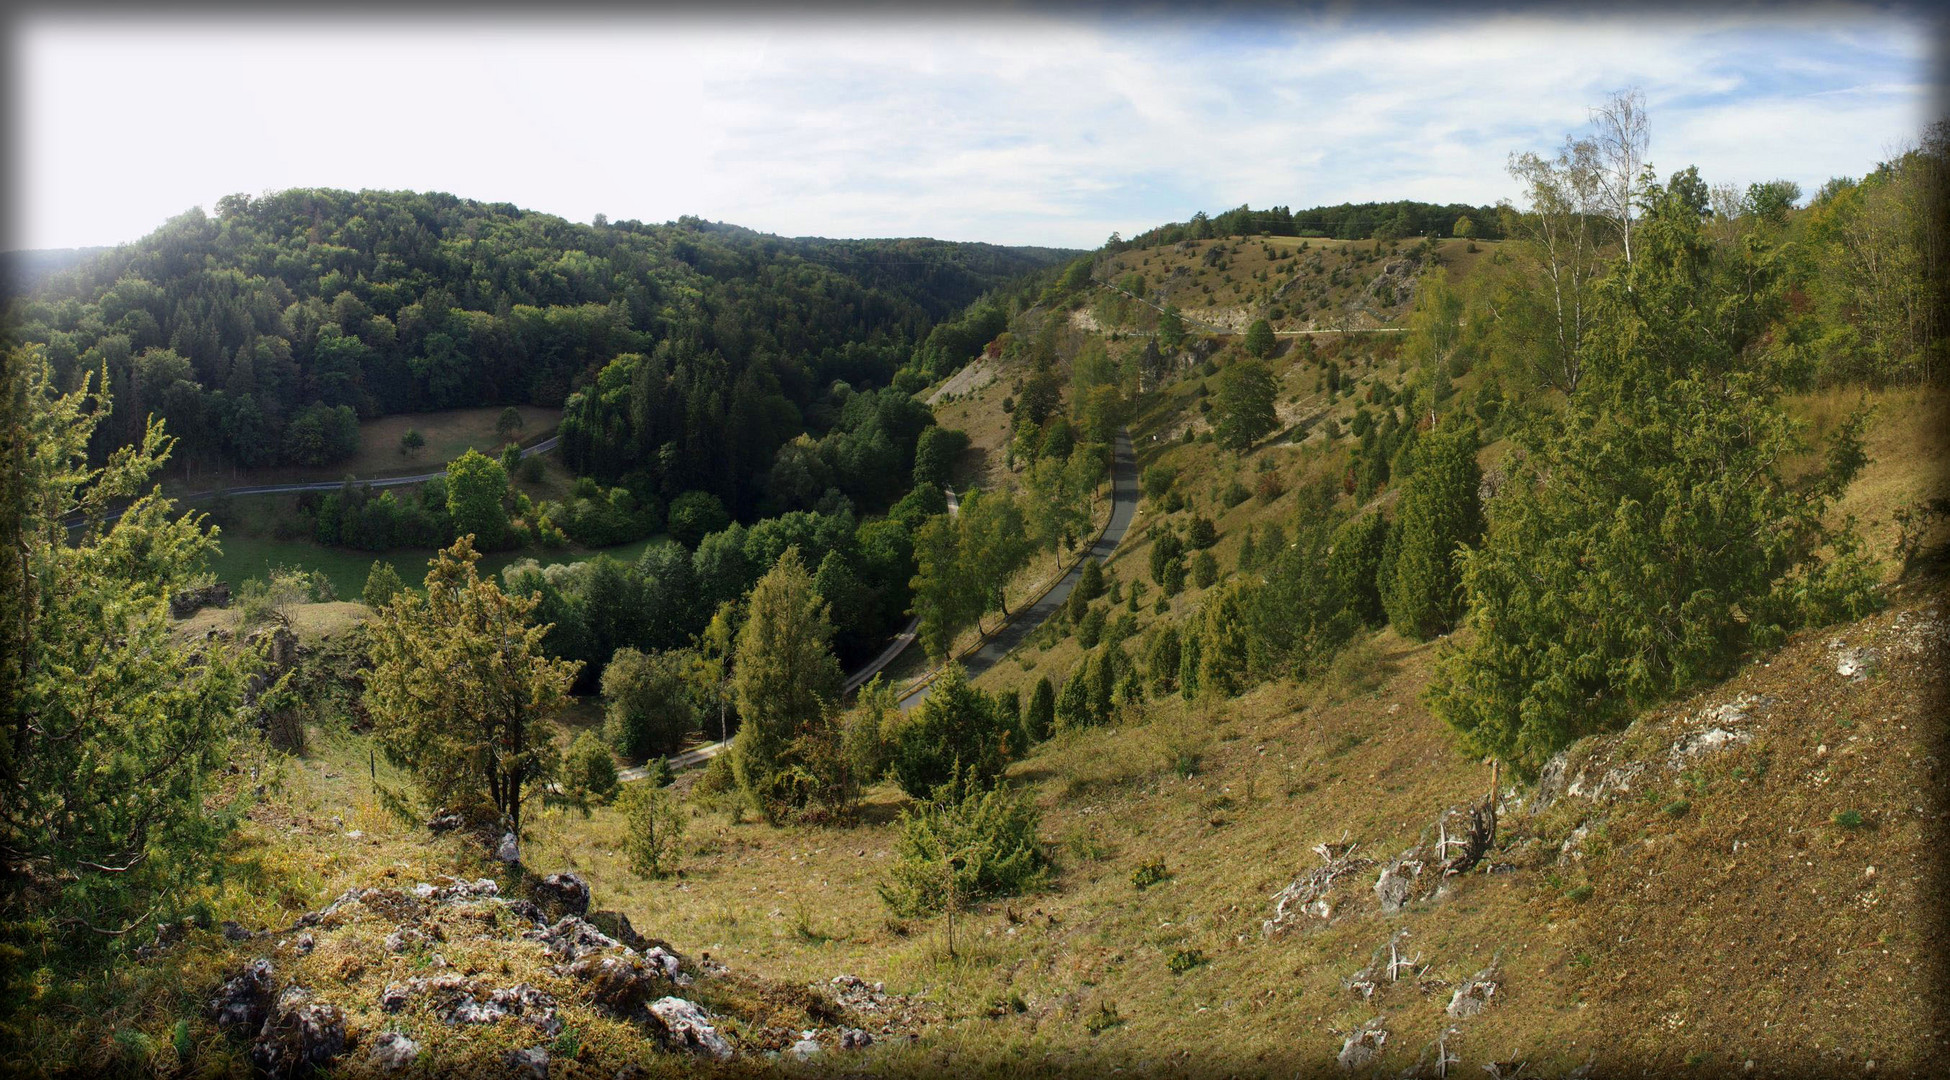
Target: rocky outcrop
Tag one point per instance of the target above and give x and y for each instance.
(690, 1028)
(244, 1001)
(188, 602)
(620, 984)
(531, 1063)
(617, 925)
(374, 946)
(1363, 1044)
(561, 894)
(392, 1051)
(572, 939)
(1307, 894)
(1474, 995)
(300, 1035)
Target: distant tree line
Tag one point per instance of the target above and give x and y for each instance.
(1397, 220)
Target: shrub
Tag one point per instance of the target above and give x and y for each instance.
(1182, 960)
(957, 732)
(591, 770)
(654, 826)
(1235, 493)
(717, 779)
(1162, 659)
(1651, 535)
(1201, 533)
(1205, 570)
(261, 599)
(1090, 580)
(382, 584)
(647, 706)
(1355, 565)
(1091, 629)
(1168, 560)
(1039, 719)
(984, 840)
(1848, 819)
(1439, 514)
(1103, 1019)
(1157, 481)
(1149, 873)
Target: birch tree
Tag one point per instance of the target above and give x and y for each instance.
(1623, 137)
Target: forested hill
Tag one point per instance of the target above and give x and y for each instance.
(263, 333)
(941, 276)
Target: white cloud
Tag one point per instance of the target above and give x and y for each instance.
(1024, 130)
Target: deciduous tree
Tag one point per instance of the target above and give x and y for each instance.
(477, 487)
(784, 680)
(648, 709)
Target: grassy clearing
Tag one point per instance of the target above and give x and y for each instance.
(246, 557)
(448, 435)
(1907, 441)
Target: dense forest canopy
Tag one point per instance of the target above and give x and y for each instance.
(262, 334)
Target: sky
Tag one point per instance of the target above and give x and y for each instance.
(1054, 129)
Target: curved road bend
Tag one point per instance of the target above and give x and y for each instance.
(1123, 507)
(901, 640)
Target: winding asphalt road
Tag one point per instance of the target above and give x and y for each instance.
(1123, 507)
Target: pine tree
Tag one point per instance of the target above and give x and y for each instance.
(1039, 720)
(1259, 338)
(110, 758)
(1299, 617)
(1161, 660)
(1090, 580)
(461, 689)
(382, 584)
(955, 727)
(1223, 643)
(1651, 534)
(1439, 514)
(1073, 701)
(1245, 404)
(1205, 570)
(1355, 565)
(1249, 549)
